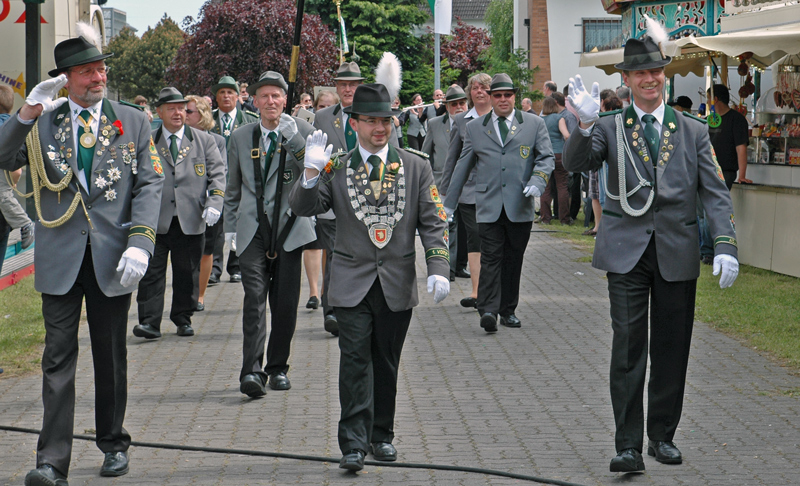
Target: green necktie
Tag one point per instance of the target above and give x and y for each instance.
(273, 138)
(173, 147)
(226, 126)
(349, 136)
(85, 155)
(651, 134)
(376, 174)
(501, 122)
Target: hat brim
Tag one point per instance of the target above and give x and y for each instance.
(218, 87)
(515, 90)
(377, 114)
(251, 89)
(159, 103)
(648, 65)
(60, 69)
(349, 78)
(459, 98)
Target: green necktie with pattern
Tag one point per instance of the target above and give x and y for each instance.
(376, 174)
(651, 134)
(86, 154)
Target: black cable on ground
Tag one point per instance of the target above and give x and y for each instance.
(300, 457)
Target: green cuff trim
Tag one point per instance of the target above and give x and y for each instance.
(217, 192)
(148, 233)
(725, 239)
(300, 154)
(543, 175)
(437, 252)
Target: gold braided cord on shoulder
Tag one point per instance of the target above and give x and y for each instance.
(40, 180)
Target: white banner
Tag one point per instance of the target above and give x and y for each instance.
(443, 16)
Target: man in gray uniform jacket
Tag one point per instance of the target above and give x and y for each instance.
(512, 152)
(648, 243)
(253, 178)
(382, 197)
(194, 182)
(97, 154)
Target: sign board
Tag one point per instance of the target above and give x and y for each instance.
(740, 6)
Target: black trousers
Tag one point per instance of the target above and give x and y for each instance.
(671, 319)
(503, 246)
(108, 322)
(282, 285)
(326, 234)
(185, 252)
(371, 339)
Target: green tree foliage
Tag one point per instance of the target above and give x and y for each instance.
(138, 65)
(500, 57)
(244, 38)
(461, 53)
(375, 27)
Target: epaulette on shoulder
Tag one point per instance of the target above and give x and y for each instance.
(253, 113)
(702, 120)
(417, 152)
(126, 103)
(609, 113)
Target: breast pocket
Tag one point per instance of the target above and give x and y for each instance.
(481, 187)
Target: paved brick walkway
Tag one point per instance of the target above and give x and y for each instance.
(532, 401)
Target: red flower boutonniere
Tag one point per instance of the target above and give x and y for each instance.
(118, 125)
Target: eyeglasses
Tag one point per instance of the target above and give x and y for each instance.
(504, 94)
(190, 112)
(89, 72)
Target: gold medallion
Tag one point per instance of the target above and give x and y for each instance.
(87, 140)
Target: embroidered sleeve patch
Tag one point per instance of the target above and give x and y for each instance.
(145, 231)
(300, 154)
(217, 192)
(155, 159)
(717, 168)
(437, 252)
(543, 175)
(435, 194)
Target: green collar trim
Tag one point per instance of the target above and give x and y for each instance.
(355, 159)
(61, 113)
(669, 119)
(630, 116)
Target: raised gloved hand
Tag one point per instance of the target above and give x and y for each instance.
(317, 154)
(44, 92)
(133, 266)
(230, 240)
(586, 105)
(449, 212)
(287, 126)
(439, 286)
(531, 191)
(211, 216)
(729, 267)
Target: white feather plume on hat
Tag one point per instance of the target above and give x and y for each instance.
(88, 32)
(390, 74)
(658, 33)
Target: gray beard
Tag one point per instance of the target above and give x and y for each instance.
(91, 98)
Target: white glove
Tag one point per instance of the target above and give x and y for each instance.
(211, 216)
(134, 263)
(449, 212)
(531, 191)
(439, 286)
(317, 154)
(287, 126)
(587, 105)
(730, 269)
(230, 240)
(44, 92)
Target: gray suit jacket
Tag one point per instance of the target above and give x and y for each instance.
(453, 154)
(503, 170)
(686, 168)
(192, 183)
(240, 195)
(356, 260)
(222, 146)
(436, 144)
(123, 211)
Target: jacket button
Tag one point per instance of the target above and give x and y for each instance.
(88, 206)
(504, 152)
(380, 263)
(658, 209)
(504, 168)
(649, 232)
(83, 232)
(504, 185)
(172, 200)
(176, 185)
(173, 172)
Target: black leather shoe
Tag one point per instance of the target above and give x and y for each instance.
(665, 452)
(253, 386)
(510, 321)
(45, 475)
(332, 324)
(313, 302)
(462, 273)
(213, 280)
(185, 330)
(279, 381)
(629, 460)
(236, 277)
(146, 331)
(469, 302)
(115, 464)
(452, 276)
(489, 323)
(352, 460)
(200, 307)
(383, 451)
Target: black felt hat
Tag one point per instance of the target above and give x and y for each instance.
(642, 54)
(75, 52)
(371, 100)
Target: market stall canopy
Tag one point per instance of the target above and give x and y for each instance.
(768, 44)
(684, 61)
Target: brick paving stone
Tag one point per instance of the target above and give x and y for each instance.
(531, 401)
